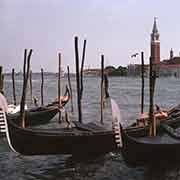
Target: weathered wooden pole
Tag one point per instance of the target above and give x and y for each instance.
(152, 120)
(22, 112)
(102, 87)
(30, 86)
(153, 84)
(59, 85)
(13, 84)
(70, 88)
(2, 83)
(82, 67)
(1, 80)
(142, 85)
(25, 80)
(106, 85)
(42, 87)
(77, 79)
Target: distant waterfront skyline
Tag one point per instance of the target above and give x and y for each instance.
(114, 28)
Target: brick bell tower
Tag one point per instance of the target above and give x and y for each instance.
(155, 44)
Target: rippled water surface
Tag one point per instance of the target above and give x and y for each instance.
(111, 166)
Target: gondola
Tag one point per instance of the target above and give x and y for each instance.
(164, 147)
(79, 141)
(172, 119)
(36, 116)
(42, 114)
(142, 149)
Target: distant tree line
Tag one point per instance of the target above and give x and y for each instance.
(120, 71)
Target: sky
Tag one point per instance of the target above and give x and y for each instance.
(115, 28)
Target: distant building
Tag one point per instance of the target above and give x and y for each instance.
(135, 69)
(92, 72)
(171, 66)
(166, 67)
(109, 70)
(155, 44)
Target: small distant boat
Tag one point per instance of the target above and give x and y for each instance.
(82, 140)
(142, 149)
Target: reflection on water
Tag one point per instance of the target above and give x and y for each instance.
(111, 166)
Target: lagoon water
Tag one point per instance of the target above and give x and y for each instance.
(126, 91)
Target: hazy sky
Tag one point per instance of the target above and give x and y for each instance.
(116, 28)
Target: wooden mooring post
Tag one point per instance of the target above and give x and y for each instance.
(30, 86)
(1, 80)
(59, 85)
(152, 120)
(25, 80)
(154, 124)
(14, 88)
(42, 87)
(142, 82)
(78, 79)
(106, 86)
(102, 87)
(70, 88)
(82, 67)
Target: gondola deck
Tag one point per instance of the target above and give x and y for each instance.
(32, 141)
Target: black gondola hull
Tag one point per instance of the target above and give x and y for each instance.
(150, 150)
(35, 117)
(58, 141)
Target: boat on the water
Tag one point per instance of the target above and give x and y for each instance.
(36, 115)
(172, 119)
(41, 114)
(82, 140)
(164, 147)
(142, 149)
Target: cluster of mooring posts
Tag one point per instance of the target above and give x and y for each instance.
(58, 143)
(27, 77)
(142, 142)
